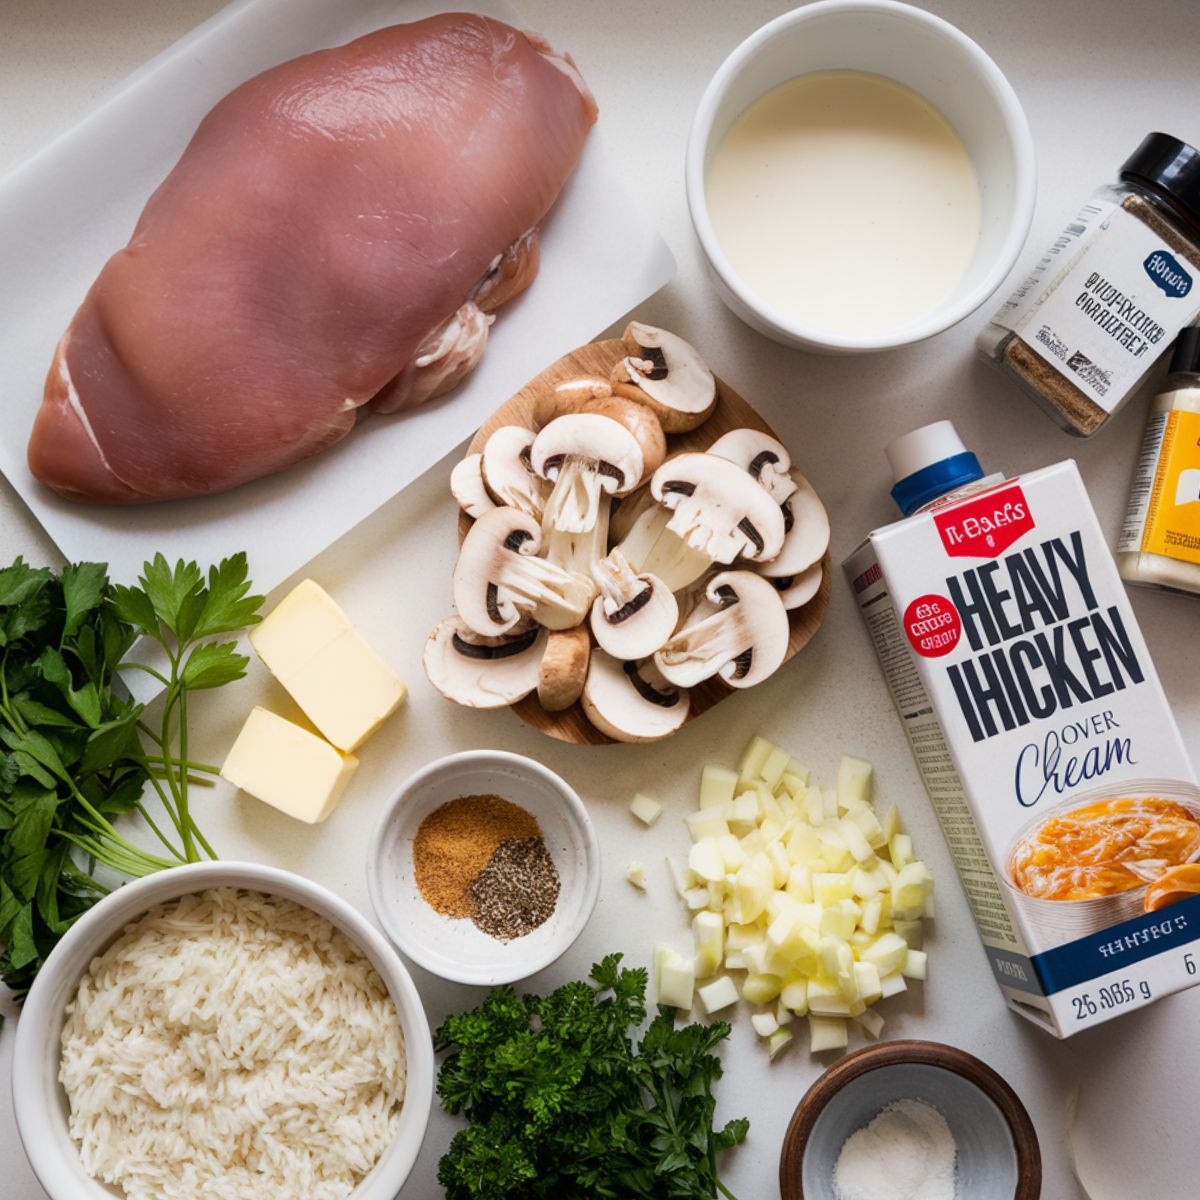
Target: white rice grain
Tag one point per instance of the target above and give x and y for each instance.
(232, 1046)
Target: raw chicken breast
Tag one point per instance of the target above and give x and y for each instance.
(332, 241)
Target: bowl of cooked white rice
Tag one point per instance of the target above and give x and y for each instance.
(223, 1030)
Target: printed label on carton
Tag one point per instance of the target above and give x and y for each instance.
(1046, 744)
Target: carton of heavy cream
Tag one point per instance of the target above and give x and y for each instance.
(1045, 742)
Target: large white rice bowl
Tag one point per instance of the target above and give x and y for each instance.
(224, 1031)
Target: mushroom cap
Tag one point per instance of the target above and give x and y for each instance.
(739, 632)
(807, 532)
(568, 396)
(718, 508)
(467, 486)
(564, 668)
(507, 474)
(764, 458)
(482, 672)
(668, 375)
(631, 702)
(641, 422)
(590, 438)
(797, 590)
(634, 614)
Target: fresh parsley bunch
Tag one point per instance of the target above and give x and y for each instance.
(562, 1104)
(76, 753)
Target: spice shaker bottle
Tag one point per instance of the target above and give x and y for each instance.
(1159, 544)
(1110, 295)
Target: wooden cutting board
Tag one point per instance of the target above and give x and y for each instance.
(731, 412)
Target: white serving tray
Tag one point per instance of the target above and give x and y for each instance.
(64, 211)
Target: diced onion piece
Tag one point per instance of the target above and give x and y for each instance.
(900, 850)
(764, 1024)
(778, 1041)
(854, 781)
(676, 980)
(754, 757)
(891, 823)
(827, 1033)
(717, 785)
(705, 859)
(774, 765)
(708, 932)
(684, 878)
(646, 809)
(708, 823)
(914, 964)
(761, 988)
(794, 995)
(871, 1022)
(892, 985)
(719, 994)
(636, 874)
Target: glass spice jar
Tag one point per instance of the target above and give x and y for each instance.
(1108, 298)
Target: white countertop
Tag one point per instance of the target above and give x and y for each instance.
(1094, 76)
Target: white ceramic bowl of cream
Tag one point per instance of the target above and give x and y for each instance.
(39, 1100)
(921, 52)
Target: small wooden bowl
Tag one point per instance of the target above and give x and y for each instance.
(978, 1105)
(731, 412)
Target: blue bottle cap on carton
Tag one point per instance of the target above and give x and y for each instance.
(929, 462)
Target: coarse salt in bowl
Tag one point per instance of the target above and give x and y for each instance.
(39, 1100)
(454, 948)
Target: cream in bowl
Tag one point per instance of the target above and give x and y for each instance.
(846, 201)
(860, 176)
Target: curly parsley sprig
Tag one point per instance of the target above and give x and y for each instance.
(562, 1104)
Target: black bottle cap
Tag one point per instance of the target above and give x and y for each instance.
(1167, 165)
(1186, 355)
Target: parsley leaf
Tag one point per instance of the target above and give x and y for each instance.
(561, 1103)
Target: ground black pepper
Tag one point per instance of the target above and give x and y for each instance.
(517, 890)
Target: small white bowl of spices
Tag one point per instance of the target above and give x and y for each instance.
(484, 867)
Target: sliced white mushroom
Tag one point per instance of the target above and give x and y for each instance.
(576, 552)
(507, 474)
(668, 375)
(586, 456)
(499, 579)
(634, 614)
(718, 509)
(569, 396)
(764, 458)
(632, 702)
(740, 632)
(483, 672)
(797, 590)
(806, 536)
(564, 668)
(653, 549)
(626, 511)
(467, 486)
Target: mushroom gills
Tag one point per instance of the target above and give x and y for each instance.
(653, 549)
(468, 488)
(587, 458)
(632, 702)
(482, 672)
(806, 532)
(499, 578)
(634, 614)
(717, 509)
(739, 631)
(764, 458)
(578, 552)
(507, 473)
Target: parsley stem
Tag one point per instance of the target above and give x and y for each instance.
(158, 833)
(188, 824)
(136, 666)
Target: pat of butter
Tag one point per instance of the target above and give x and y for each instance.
(287, 767)
(345, 689)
